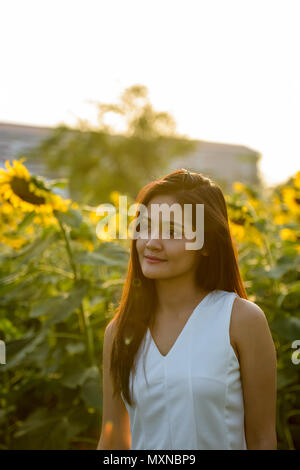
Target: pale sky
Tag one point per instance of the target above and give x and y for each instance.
(227, 70)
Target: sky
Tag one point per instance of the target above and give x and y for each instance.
(227, 70)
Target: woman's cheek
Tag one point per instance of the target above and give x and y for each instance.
(174, 248)
(139, 245)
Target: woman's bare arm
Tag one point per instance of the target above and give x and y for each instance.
(115, 432)
(258, 363)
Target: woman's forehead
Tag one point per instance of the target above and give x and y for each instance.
(176, 216)
(162, 199)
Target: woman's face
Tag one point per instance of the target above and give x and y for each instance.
(176, 259)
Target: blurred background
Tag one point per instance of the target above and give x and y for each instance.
(97, 99)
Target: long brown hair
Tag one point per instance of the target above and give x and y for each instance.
(218, 270)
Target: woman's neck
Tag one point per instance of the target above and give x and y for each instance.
(177, 295)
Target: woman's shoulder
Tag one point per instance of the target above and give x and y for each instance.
(246, 311)
(243, 309)
(110, 329)
(247, 321)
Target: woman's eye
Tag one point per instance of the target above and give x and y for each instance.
(176, 233)
(144, 227)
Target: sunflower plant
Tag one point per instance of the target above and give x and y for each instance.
(60, 284)
(52, 311)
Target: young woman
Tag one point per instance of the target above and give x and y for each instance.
(188, 361)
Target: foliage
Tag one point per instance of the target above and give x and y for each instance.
(267, 230)
(60, 285)
(99, 160)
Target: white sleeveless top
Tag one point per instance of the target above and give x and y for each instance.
(191, 398)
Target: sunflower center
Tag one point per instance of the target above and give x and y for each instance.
(21, 188)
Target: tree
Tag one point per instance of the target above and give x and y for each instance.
(98, 161)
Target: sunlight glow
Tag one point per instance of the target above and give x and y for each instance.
(227, 71)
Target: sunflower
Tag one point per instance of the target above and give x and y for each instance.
(289, 234)
(29, 193)
(237, 230)
(10, 220)
(296, 180)
(291, 197)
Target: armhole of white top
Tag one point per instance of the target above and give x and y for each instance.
(231, 302)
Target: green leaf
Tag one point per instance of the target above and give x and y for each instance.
(286, 377)
(26, 221)
(36, 420)
(72, 302)
(6, 280)
(37, 248)
(84, 231)
(59, 183)
(46, 306)
(286, 327)
(20, 357)
(46, 430)
(76, 377)
(107, 253)
(75, 348)
(15, 345)
(5, 412)
(91, 389)
(90, 393)
(92, 258)
(17, 292)
(260, 224)
(112, 249)
(291, 300)
(278, 271)
(72, 218)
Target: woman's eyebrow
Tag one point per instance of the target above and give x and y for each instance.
(171, 222)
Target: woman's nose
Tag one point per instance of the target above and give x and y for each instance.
(154, 240)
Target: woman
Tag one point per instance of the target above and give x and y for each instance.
(198, 357)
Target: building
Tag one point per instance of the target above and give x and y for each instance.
(223, 162)
(15, 138)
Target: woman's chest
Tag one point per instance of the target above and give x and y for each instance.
(194, 355)
(165, 334)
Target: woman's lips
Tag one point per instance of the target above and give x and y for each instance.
(152, 261)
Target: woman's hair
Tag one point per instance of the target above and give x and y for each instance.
(218, 270)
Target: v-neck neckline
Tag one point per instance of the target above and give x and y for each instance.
(188, 322)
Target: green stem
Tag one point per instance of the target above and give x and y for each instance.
(69, 251)
(82, 317)
(89, 335)
(67, 335)
(52, 269)
(267, 249)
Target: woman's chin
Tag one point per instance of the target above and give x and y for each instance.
(155, 273)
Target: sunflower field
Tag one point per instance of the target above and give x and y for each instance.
(61, 280)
